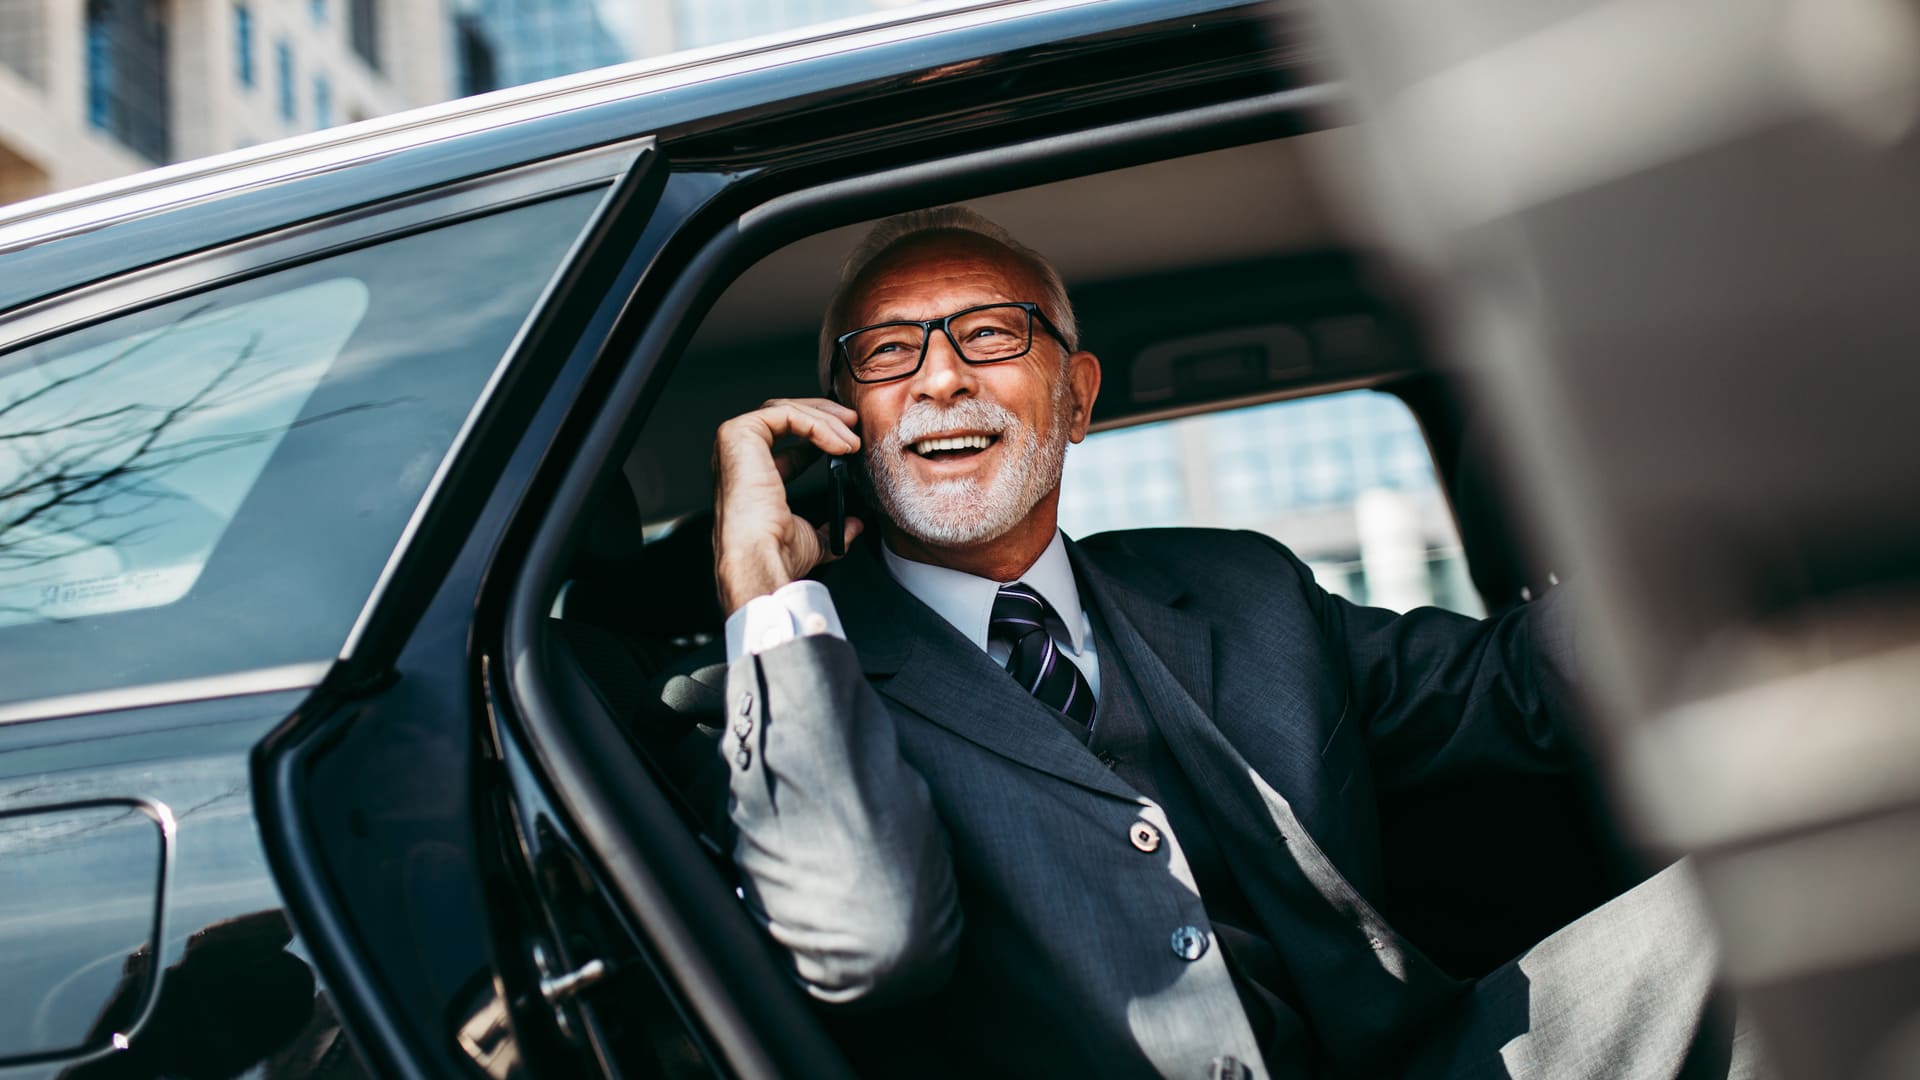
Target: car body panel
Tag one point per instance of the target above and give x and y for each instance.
(191, 760)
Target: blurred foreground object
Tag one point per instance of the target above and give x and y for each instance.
(1678, 240)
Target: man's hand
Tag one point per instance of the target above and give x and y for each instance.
(759, 544)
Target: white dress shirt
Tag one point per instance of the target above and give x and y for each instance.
(964, 600)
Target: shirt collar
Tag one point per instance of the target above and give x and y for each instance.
(966, 600)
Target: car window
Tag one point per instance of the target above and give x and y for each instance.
(141, 449)
(213, 484)
(1344, 480)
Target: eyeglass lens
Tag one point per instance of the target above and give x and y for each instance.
(982, 335)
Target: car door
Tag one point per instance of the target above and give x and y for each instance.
(211, 468)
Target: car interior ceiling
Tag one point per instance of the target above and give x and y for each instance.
(1202, 282)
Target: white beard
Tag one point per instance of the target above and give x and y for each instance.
(965, 510)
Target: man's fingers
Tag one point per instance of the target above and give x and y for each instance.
(817, 420)
(826, 405)
(793, 457)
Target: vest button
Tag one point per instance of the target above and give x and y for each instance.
(1144, 836)
(1189, 943)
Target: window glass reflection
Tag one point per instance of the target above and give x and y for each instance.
(1344, 480)
(128, 460)
(214, 484)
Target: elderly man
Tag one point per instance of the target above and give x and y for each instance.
(1030, 805)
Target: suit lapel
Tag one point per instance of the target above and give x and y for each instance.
(1169, 653)
(1132, 592)
(918, 659)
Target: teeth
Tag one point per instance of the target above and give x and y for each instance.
(952, 442)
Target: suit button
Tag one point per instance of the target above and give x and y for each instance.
(1189, 943)
(1108, 759)
(1144, 836)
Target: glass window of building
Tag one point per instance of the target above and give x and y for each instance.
(127, 86)
(1344, 480)
(709, 22)
(243, 44)
(363, 31)
(283, 61)
(322, 102)
(318, 9)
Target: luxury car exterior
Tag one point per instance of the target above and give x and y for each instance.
(277, 430)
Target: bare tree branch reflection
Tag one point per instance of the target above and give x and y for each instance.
(84, 470)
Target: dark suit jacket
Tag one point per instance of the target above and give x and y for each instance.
(921, 835)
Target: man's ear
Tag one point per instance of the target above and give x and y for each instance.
(1083, 375)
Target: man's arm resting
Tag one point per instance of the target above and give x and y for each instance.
(844, 860)
(1445, 696)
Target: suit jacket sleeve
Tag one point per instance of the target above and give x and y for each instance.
(845, 862)
(1442, 696)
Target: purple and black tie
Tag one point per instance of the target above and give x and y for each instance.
(1019, 618)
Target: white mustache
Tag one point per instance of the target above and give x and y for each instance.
(923, 419)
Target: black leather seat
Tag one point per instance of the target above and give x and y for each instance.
(649, 647)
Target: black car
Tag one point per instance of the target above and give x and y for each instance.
(356, 610)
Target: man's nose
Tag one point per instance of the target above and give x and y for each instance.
(942, 375)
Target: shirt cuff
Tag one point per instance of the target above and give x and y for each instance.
(796, 609)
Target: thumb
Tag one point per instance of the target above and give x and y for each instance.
(854, 528)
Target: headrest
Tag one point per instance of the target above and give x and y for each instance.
(612, 541)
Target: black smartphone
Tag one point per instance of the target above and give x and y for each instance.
(837, 488)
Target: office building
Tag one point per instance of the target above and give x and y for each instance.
(98, 89)
(708, 22)
(509, 42)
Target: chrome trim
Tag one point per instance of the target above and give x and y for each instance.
(173, 186)
(162, 815)
(432, 492)
(237, 684)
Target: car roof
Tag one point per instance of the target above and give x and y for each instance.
(67, 239)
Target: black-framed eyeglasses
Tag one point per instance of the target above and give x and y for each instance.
(986, 334)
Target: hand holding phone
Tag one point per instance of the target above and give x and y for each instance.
(759, 543)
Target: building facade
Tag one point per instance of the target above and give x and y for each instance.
(707, 22)
(510, 42)
(1345, 480)
(91, 89)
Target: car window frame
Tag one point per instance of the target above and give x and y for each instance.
(574, 753)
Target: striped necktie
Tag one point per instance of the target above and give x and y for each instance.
(1019, 618)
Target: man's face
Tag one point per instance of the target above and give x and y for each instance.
(960, 454)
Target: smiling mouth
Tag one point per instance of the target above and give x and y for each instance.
(952, 447)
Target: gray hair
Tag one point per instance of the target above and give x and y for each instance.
(902, 227)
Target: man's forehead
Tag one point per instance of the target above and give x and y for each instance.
(931, 267)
